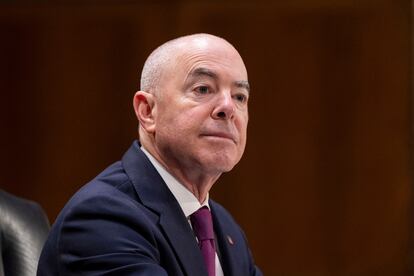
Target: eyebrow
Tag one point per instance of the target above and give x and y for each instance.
(201, 71)
(243, 84)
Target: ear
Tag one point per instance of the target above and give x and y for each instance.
(144, 110)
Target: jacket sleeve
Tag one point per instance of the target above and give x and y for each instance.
(107, 235)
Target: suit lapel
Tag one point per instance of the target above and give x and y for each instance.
(225, 242)
(155, 194)
(184, 243)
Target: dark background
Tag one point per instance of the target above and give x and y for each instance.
(325, 186)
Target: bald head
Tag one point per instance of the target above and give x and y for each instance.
(163, 57)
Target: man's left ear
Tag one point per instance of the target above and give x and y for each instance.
(144, 104)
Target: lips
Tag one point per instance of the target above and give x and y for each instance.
(220, 135)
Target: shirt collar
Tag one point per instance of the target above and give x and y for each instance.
(187, 201)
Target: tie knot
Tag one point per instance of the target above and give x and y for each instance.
(202, 224)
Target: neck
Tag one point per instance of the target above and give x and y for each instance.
(192, 178)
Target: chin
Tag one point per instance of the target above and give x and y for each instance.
(221, 163)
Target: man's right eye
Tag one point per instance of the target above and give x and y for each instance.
(203, 89)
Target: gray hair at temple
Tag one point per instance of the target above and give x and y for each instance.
(154, 66)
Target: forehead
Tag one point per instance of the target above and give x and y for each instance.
(215, 55)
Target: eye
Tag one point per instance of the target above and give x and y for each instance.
(203, 89)
(241, 98)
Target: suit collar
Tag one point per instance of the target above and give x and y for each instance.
(155, 195)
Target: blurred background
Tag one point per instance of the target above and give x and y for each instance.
(325, 186)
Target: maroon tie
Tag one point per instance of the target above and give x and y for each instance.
(203, 228)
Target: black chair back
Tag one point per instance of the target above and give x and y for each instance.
(23, 228)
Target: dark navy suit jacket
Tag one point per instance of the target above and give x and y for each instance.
(127, 222)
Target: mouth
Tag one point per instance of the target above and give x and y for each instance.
(220, 135)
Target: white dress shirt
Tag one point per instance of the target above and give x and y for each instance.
(187, 201)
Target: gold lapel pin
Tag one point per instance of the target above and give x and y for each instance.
(230, 240)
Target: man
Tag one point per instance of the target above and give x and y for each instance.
(149, 214)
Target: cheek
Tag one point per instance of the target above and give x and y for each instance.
(243, 134)
(191, 119)
(242, 126)
(179, 125)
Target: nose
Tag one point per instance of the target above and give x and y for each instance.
(224, 109)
